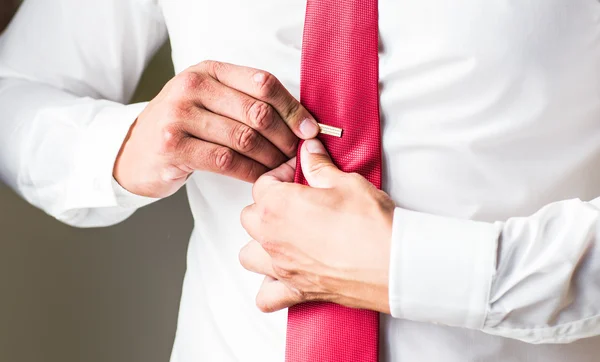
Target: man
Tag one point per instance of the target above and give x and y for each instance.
(491, 139)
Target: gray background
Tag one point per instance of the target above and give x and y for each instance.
(112, 294)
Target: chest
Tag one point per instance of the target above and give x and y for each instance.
(467, 88)
(411, 31)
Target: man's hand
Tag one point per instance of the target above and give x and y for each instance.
(216, 117)
(329, 242)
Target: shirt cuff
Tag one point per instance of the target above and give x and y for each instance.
(130, 200)
(92, 184)
(441, 268)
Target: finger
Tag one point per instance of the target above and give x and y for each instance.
(267, 88)
(231, 103)
(255, 259)
(226, 132)
(251, 222)
(317, 167)
(283, 173)
(273, 295)
(205, 156)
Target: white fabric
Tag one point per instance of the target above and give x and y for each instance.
(491, 136)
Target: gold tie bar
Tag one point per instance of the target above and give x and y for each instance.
(330, 130)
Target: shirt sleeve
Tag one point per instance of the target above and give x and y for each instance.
(535, 279)
(66, 69)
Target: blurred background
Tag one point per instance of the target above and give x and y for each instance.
(94, 295)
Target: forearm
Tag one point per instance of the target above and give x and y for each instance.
(62, 95)
(57, 150)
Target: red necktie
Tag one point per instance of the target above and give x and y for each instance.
(339, 86)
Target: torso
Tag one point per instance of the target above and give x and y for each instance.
(490, 109)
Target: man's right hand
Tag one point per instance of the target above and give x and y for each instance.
(217, 117)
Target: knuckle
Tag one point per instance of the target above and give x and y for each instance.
(211, 66)
(218, 67)
(206, 64)
(191, 81)
(245, 138)
(170, 138)
(260, 115)
(268, 213)
(265, 214)
(270, 88)
(223, 159)
(268, 85)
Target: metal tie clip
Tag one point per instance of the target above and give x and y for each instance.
(330, 130)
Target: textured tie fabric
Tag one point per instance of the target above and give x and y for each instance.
(339, 86)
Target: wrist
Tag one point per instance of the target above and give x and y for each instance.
(376, 286)
(367, 287)
(371, 293)
(119, 167)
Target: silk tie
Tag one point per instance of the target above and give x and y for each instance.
(339, 86)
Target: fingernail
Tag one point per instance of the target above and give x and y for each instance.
(309, 128)
(315, 146)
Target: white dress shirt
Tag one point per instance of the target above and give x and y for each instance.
(491, 137)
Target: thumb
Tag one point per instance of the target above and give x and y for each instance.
(317, 166)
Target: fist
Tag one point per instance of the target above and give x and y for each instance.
(217, 117)
(328, 242)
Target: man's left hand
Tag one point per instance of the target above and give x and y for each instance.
(328, 242)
